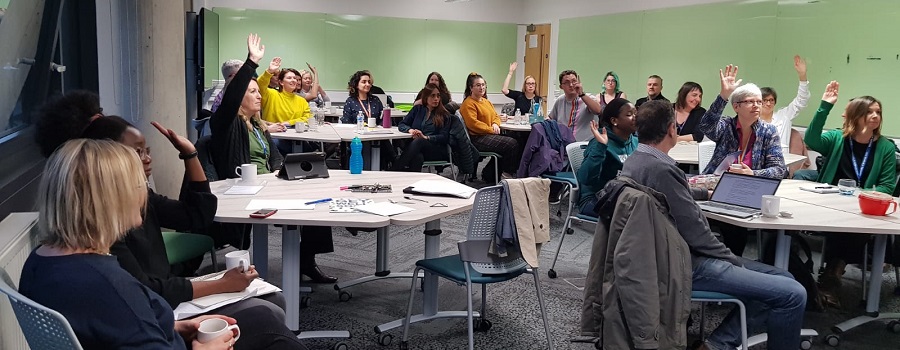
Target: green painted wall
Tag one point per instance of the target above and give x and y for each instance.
(399, 52)
(692, 43)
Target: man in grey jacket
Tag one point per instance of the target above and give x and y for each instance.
(772, 296)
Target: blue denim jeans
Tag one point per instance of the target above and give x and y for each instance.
(773, 298)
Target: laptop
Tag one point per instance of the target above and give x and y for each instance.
(308, 165)
(740, 195)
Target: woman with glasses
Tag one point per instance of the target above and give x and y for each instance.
(483, 125)
(791, 140)
(527, 98)
(611, 89)
(741, 140)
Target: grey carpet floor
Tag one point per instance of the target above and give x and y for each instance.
(512, 306)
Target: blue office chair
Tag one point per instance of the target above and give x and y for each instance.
(473, 264)
(43, 327)
(703, 298)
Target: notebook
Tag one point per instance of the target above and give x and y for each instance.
(740, 195)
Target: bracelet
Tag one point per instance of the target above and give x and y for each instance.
(187, 156)
(582, 95)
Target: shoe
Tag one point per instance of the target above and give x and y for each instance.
(316, 275)
(507, 176)
(555, 198)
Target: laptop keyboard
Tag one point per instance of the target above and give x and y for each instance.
(731, 207)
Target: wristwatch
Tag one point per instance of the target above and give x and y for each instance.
(581, 95)
(187, 156)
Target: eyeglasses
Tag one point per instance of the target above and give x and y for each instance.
(769, 101)
(143, 153)
(529, 83)
(751, 103)
(570, 82)
(479, 85)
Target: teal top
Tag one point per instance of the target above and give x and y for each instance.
(259, 150)
(830, 144)
(602, 163)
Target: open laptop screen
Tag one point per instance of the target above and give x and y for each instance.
(744, 190)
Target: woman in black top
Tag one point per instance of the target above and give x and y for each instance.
(688, 112)
(428, 125)
(525, 99)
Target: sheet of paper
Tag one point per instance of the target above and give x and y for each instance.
(383, 208)
(443, 187)
(280, 204)
(187, 309)
(727, 162)
(244, 189)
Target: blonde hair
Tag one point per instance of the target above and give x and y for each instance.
(89, 193)
(857, 109)
(254, 119)
(526, 81)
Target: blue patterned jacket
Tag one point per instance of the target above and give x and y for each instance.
(767, 159)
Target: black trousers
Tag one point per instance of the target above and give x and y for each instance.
(505, 146)
(417, 152)
(260, 329)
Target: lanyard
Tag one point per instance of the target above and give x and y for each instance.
(261, 143)
(572, 114)
(366, 109)
(859, 169)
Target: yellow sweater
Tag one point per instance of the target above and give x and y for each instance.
(479, 116)
(281, 106)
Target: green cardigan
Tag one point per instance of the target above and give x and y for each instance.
(831, 144)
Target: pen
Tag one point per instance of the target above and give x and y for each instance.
(823, 187)
(415, 199)
(323, 200)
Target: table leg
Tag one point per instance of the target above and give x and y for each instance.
(874, 297)
(782, 250)
(375, 156)
(260, 249)
(290, 274)
(382, 265)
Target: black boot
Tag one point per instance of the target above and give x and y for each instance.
(309, 268)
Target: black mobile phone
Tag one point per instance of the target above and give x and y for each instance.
(263, 213)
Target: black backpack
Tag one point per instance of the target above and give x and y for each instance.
(800, 268)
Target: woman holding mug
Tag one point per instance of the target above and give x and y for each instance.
(859, 152)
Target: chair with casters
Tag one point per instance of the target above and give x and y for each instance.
(704, 297)
(473, 265)
(43, 328)
(436, 163)
(182, 246)
(496, 156)
(575, 153)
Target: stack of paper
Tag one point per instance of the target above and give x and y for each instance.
(208, 303)
(443, 187)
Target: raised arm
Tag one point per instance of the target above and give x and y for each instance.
(711, 124)
(814, 138)
(314, 89)
(234, 92)
(512, 69)
(589, 100)
(802, 99)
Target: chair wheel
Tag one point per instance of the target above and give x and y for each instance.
(559, 213)
(341, 346)
(833, 340)
(894, 326)
(482, 325)
(345, 296)
(304, 302)
(805, 344)
(404, 345)
(570, 231)
(385, 339)
(551, 273)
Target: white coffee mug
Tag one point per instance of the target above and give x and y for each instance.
(770, 206)
(238, 258)
(247, 172)
(300, 126)
(372, 122)
(213, 328)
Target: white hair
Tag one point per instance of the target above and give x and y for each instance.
(230, 68)
(744, 91)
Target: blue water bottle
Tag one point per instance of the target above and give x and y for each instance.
(356, 158)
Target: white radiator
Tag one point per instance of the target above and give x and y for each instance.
(17, 240)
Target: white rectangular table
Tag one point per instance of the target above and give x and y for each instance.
(333, 133)
(686, 153)
(231, 210)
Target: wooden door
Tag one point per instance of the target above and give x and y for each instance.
(537, 59)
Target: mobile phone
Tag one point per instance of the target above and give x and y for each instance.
(263, 213)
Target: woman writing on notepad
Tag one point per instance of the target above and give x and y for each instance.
(857, 151)
(91, 194)
(428, 125)
(751, 146)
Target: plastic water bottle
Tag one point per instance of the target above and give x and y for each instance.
(356, 158)
(517, 118)
(360, 119)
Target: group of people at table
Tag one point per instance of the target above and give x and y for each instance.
(103, 265)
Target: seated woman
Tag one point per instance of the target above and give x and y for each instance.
(92, 193)
(239, 137)
(310, 88)
(427, 123)
(856, 151)
(282, 106)
(363, 100)
(604, 155)
(483, 124)
(436, 79)
(791, 140)
(611, 89)
(754, 145)
(142, 251)
(688, 112)
(525, 99)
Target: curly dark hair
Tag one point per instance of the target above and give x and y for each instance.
(354, 82)
(64, 118)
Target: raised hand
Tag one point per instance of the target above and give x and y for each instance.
(183, 145)
(729, 79)
(800, 67)
(831, 92)
(255, 48)
(274, 65)
(599, 133)
(513, 66)
(312, 70)
(578, 88)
